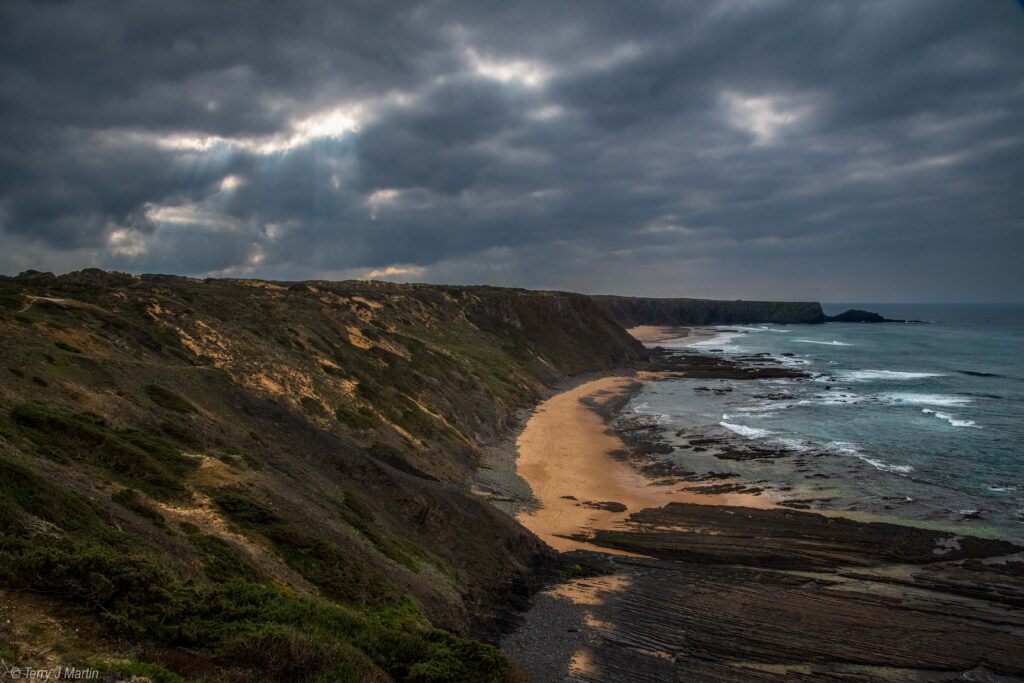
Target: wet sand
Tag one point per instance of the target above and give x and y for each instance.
(575, 467)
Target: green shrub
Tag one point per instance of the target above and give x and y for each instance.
(356, 417)
(147, 462)
(241, 624)
(413, 418)
(287, 653)
(178, 429)
(10, 300)
(312, 406)
(131, 669)
(368, 389)
(340, 574)
(188, 528)
(165, 398)
(222, 561)
(246, 511)
(24, 492)
(132, 500)
(128, 592)
(361, 518)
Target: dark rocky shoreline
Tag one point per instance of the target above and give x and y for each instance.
(720, 593)
(644, 437)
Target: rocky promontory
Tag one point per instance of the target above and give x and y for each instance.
(631, 311)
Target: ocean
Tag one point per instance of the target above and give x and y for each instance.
(901, 422)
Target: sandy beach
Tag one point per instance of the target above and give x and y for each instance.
(652, 334)
(567, 454)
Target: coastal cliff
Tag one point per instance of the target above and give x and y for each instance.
(230, 478)
(634, 311)
(630, 311)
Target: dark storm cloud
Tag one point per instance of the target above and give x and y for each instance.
(779, 148)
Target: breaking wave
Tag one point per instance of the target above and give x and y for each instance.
(823, 343)
(868, 375)
(748, 432)
(912, 399)
(849, 449)
(950, 419)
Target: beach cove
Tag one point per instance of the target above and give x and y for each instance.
(574, 466)
(708, 583)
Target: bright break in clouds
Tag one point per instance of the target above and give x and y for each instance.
(831, 150)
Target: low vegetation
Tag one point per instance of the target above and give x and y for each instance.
(150, 462)
(165, 398)
(239, 624)
(230, 480)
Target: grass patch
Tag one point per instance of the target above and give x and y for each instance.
(491, 363)
(368, 389)
(312, 406)
(247, 512)
(67, 347)
(414, 419)
(361, 518)
(574, 571)
(355, 417)
(179, 430)
(9, 653)
(338, 572)
(132, 500)
(223, 562)
(132, 669)
(24, 492)
(150, 463)
(10, 296)
(165, 398)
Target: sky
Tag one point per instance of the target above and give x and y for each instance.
(834, 150)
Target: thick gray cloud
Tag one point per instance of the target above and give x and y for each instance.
(753, 148)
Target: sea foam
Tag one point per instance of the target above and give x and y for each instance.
(849, 449)
(794, 445)
(868, 375)
(748, 432)
(722, 340)
(759, 329)
(912, 399)
(763, 408)
(790, 361)
(950, 419)
(823, 343)
(832, 398)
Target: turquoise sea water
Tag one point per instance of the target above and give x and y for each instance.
(917, 421)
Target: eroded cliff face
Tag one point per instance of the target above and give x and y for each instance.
(634, 311)
(239, 475)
